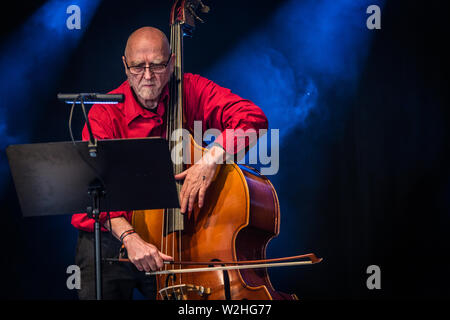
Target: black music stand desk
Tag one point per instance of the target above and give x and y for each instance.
(61, 178)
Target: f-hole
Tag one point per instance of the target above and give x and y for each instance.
(226, 281)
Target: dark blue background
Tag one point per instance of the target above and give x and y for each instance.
(363, 122)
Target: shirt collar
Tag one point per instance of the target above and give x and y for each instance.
(133, 109)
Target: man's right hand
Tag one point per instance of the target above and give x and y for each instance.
(144, 255)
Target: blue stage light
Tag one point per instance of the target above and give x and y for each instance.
(306, 57)
(307, 47)
(31, 59)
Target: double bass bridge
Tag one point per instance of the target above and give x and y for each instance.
(180, 291)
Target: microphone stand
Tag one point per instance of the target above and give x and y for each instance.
(96, 190)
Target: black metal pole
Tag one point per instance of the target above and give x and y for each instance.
(98, 262)
(95, 193)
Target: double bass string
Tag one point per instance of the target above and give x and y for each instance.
(175, 122)
(172, 111)
(169, 129)
(179, 111)
(173, 220)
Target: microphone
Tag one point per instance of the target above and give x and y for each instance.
(90, 98)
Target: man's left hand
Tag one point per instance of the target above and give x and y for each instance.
(198, 178)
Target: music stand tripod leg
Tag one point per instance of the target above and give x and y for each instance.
(94, 212)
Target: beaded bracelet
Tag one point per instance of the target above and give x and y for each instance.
(126, 233)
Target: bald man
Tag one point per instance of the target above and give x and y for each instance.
(149, 64)
(148, 44)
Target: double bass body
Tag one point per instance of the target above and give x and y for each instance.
(239, 217)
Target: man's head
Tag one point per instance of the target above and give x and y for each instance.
(146, 47)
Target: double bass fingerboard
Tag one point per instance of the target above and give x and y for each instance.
(174, 220)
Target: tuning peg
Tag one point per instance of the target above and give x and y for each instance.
(192, 11)
(204, 9)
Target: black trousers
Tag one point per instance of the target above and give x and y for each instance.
(118, 279)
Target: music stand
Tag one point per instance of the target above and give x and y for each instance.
(61, 178)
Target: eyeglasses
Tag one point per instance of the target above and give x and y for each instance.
(153, 67)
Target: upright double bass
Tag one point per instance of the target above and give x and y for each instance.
(220, 251)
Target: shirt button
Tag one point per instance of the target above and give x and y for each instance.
(159, 121)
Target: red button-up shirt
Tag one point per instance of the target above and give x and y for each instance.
(215, 106)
